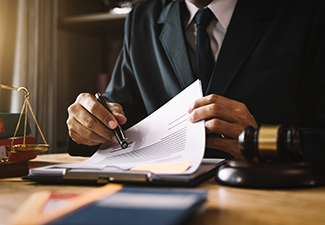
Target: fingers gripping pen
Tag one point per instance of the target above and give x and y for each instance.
(118, 132)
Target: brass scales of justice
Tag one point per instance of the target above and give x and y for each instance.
(25, 147)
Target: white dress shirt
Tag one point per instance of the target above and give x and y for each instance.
(223, 10)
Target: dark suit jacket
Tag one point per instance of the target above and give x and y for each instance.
(272, 59)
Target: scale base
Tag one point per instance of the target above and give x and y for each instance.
(270, 175)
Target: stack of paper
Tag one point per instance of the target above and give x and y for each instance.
(165, 142)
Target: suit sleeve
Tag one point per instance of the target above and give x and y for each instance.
(75, 149)
(314, 78)
(122, 89)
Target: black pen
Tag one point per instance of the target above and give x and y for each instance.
(122, 140)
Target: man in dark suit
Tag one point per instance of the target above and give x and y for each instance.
(269, 69)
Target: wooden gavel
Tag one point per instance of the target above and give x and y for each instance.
(271, 143)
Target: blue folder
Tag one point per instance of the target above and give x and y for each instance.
(138, 206)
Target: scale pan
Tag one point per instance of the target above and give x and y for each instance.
(28, 148)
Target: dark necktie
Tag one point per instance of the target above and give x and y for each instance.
(204, 56)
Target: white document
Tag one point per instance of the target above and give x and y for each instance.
(165, 136)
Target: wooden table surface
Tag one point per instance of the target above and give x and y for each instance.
(225, 205)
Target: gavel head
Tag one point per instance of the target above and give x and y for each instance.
(271, 143)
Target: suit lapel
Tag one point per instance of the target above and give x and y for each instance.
(173, 40)
(242, 35)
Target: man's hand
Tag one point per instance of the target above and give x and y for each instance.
(225, 117)
(89, 123)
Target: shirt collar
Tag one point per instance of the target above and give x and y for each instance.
(222, 9)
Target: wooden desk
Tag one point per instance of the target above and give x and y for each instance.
(225, 205)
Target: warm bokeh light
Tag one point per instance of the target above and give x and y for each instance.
(8, 19)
